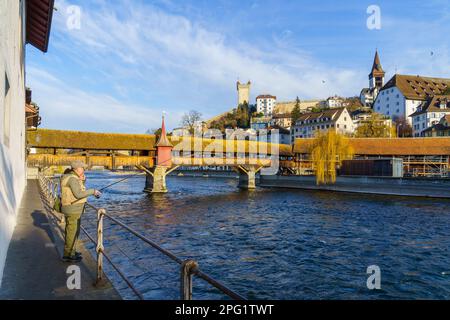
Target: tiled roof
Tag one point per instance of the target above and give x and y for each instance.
(30, 108)
(377, 69)
(433, 104)
(266, 96)
(436, 127)
(388, 146)
(282, 116)
(417, 87)
(329, 113)
(280, 129)
(39, 20)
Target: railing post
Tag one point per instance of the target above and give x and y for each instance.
(186, 279)
(100, 248)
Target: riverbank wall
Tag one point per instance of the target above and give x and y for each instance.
(415, 187)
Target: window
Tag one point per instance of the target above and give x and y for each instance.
(6, 113)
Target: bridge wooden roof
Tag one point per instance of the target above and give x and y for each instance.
(62, 139)
(388, 146)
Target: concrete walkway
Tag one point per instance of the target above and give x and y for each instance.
(34, 269)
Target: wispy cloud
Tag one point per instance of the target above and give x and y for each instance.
(145, 58)
(66, 107)
(188, 65)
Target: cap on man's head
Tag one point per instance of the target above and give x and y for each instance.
(78, 164)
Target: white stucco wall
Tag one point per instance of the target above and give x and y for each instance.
(392, 102)
(12, 119)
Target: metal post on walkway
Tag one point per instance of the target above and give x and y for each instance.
(186, 279)
(100, 214)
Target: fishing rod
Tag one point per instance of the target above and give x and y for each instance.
(131, 176)
(114, 183)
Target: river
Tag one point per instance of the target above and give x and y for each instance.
(276, 243)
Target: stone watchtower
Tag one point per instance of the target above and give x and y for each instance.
(243, 92)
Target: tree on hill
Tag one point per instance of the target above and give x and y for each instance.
(403, 127)
(296, 112)
(190, 119)
(327, 152)
(239, 117)
(375, 127)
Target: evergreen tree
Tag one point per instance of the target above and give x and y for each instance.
(296, 112)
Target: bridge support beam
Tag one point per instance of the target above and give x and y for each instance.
(155, 181)
(247, 176)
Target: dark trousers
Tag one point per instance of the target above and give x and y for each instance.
(72, 232)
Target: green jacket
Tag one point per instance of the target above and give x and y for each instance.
(78, 193)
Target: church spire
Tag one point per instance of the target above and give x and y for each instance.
(376, 67)
(376, 76)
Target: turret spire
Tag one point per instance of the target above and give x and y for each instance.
(163, 140)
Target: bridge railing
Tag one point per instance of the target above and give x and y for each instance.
(188, 268)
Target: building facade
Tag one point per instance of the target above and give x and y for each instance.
(430, 113)
(265, 104)
(21, 22)
(260, 123)
(243, 90)
(338, 119)
(403, 94)
(441, 129)
(281, 120)
(334, 102)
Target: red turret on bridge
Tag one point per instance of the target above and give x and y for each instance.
(164, 148)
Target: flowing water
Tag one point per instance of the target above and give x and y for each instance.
(276, 243)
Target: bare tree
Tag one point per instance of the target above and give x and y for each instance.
(190, 120)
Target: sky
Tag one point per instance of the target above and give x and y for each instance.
(119, 64)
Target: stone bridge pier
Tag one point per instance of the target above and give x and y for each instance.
(247, 176)
(155, 181)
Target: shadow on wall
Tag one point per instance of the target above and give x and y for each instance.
(8, 206)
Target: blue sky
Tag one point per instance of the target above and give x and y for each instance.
(131, 60)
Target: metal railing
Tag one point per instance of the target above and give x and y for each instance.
(188, 268)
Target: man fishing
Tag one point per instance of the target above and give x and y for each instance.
(73, 199)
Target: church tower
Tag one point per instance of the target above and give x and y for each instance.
(243, 92)
(376, 76)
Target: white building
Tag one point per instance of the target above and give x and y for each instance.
(430, 113)
(265, 104)
(376, 82)
(403, 94)
(338, 119)
(334, 102)
(16, 31)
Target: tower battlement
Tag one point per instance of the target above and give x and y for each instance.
(243, 90)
